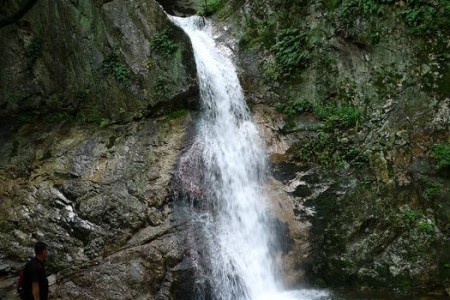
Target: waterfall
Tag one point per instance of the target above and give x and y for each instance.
(235, 226)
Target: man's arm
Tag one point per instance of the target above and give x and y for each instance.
(35, 290)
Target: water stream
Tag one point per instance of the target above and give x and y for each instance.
(235, 226)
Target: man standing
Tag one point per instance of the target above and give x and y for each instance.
(35, 283)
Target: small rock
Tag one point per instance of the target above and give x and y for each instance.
(51, 279)
(4, 268)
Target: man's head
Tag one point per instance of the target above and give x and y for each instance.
(40, 249)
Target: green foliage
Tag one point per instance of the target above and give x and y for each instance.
(210, 7)
(427, 17)
(327, 151)
(162, 85)
(319, 150)
(113, 66)
(421, 16)
(34, 51)
(416, 219)
(350, 8)
(442, 154)
(291, 51)
(259, 33)
(357, 19)
(433, 190)
(339, 117)
(426, 227)
(163, 45)
(413, 215)
(334, 117)
(177, 114)
(295, 107)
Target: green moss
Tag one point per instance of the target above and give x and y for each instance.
(177, 114)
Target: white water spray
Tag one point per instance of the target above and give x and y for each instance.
(237, 232)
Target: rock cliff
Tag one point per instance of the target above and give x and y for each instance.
(94, 110)
(353, 100)
(352, 97)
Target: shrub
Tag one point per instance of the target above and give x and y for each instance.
(442, 154)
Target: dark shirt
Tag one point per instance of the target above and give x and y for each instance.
(35, 272)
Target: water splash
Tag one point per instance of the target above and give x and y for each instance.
(236, 227)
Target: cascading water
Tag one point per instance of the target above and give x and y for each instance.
(236, 227)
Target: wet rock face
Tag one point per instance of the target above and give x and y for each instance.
(94, 59)
(378, 221)
(99, 198)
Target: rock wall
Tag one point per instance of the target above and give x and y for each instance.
(352, 100)
(94, 106)
(352, 114)
(99, 198)
(94, 60)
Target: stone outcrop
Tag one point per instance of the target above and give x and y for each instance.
(100, 198)
(94, 109)
(91, 132)
(372, 205)
(94, 60)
